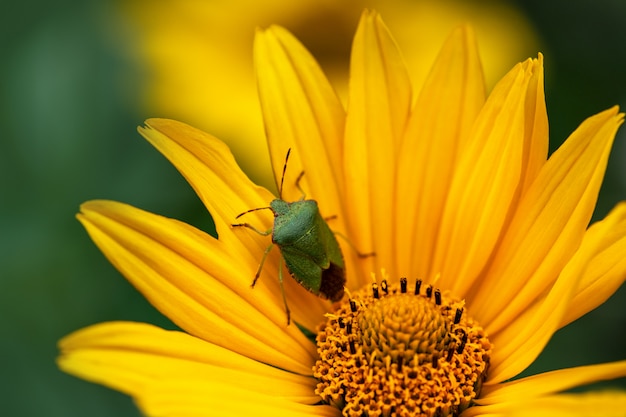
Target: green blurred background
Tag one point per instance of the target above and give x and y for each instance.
(69, 106)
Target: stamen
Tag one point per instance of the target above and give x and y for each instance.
(383, 285)
(461, 346)
(435, 361)
(438, 297)
(457, 316)
(375, 290)
(450, 354)
(418, 284)
(403, 285)
(429, 291)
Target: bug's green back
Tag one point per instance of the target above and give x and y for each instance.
(309, 247)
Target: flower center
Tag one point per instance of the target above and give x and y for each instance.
(391, 351)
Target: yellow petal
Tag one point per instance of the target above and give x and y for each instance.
(593, 404)
(548, 225)
(551, 382)
(211, 170)
(523, 339)
(141, 360)
(378, 108)
(130, 357)
(437, 133)
(535, 128)
(301, 112)
(484, 184)
(606, 270)
(200, 397)
(203, 288)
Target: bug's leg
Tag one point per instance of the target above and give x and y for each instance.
(333, 217)
(258, 271)
(359, 254)
(298, 185)
(282, 290)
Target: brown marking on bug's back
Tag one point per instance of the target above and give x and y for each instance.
(333, 281)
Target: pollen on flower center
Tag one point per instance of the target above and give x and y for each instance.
(392, 351)
(402, 327)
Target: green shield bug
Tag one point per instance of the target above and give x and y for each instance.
(307, 245)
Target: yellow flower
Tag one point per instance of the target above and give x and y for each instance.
(197, 54)
(452, 190)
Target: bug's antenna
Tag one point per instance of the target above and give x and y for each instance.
(282, 179)
(251, 210)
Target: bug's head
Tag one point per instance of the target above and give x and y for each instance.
(279, 207)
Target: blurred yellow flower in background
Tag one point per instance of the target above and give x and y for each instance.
(198, 58)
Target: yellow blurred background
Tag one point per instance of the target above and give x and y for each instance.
(77, 77)
(198, 55)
